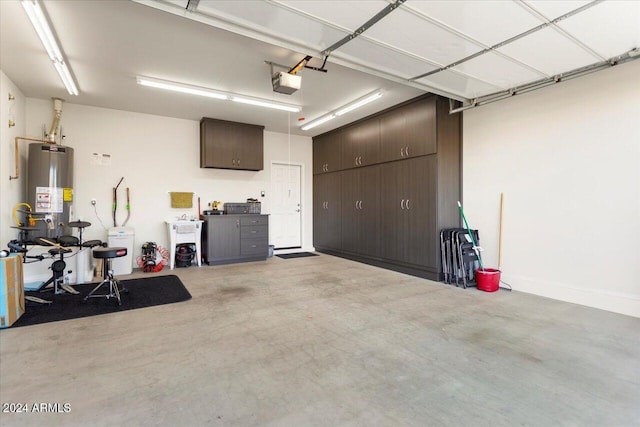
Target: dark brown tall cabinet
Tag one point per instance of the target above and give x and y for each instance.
(398, 187)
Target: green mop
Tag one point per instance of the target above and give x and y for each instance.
(476, 248)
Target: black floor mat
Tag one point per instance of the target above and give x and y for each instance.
(143, 292)
(296, 255)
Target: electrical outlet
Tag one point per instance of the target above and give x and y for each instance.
(93, 202)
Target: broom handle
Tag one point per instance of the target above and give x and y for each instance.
(500, 235)
(475, 245)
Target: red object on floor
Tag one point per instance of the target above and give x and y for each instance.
(488, 280)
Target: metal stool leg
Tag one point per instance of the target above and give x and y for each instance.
(107, 277)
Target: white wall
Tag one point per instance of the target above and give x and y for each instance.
(567, 159)
(156, 155)
(11, 191)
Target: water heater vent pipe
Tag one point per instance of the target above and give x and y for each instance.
(55, 124)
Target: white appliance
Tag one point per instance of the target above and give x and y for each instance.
(122, 237)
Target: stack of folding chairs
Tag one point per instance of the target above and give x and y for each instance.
(459, 257)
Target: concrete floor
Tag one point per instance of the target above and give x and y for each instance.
(326, 341)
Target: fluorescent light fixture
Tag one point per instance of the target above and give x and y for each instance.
(267, 104)
(319, 121)
(179, 87)
(359, 102)
(217, 94)
(39, 21)
(65, 76)
(343, 110)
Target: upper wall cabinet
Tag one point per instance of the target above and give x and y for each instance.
(409, 131)
(326, 152)
(361, 144)
(231, 145)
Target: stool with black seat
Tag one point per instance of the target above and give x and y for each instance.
(57, 269)
(107, 254)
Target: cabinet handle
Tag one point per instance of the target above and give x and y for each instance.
(402, 204)
(357, 205)
(360, 204)
(254, 246)
(238, 162)
(402, 152)
(408, 207)
(233, 161)
(360, 160)
(356, 161)
(237, 223)
(406, 150)
(253, 232)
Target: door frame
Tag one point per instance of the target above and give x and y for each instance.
(302, 204)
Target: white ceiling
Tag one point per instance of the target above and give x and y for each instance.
(224, 45)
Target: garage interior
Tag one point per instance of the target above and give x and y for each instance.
(524, 111)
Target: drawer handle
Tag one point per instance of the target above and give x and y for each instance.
(253, 232)
(254, 246)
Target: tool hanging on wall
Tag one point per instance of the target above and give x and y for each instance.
(128, 208)
(115, 201)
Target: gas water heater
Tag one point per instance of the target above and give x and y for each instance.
(50, 188)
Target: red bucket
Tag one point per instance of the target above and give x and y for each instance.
(488, 280)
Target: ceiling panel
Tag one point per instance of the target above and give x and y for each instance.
(275, 21)
(497, 70)
(420, 37)
(464, 86)
(482, 20)
(556, 8)
(549, 51)
(371, 54)
(345, 14)
(610, 28)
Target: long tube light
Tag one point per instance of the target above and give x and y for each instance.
(370, 97)
(41, 25)
(216, 94)
(359, 103)
(318, 122)
(179, 87)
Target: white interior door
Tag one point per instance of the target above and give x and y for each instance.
(286, 208)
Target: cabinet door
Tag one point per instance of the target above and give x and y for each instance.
(248, 149)
(326, 152)
(420, 128)
(420, 209)
(409, 131)
(216, 144)
(392, 134)
(394, 179)
(408, 224)
(326, 211)
(223, 236)
(361, 144)
(360, 211)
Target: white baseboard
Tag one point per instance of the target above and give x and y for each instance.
(617, 302)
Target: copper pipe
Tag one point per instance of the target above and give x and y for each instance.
(17, 153)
